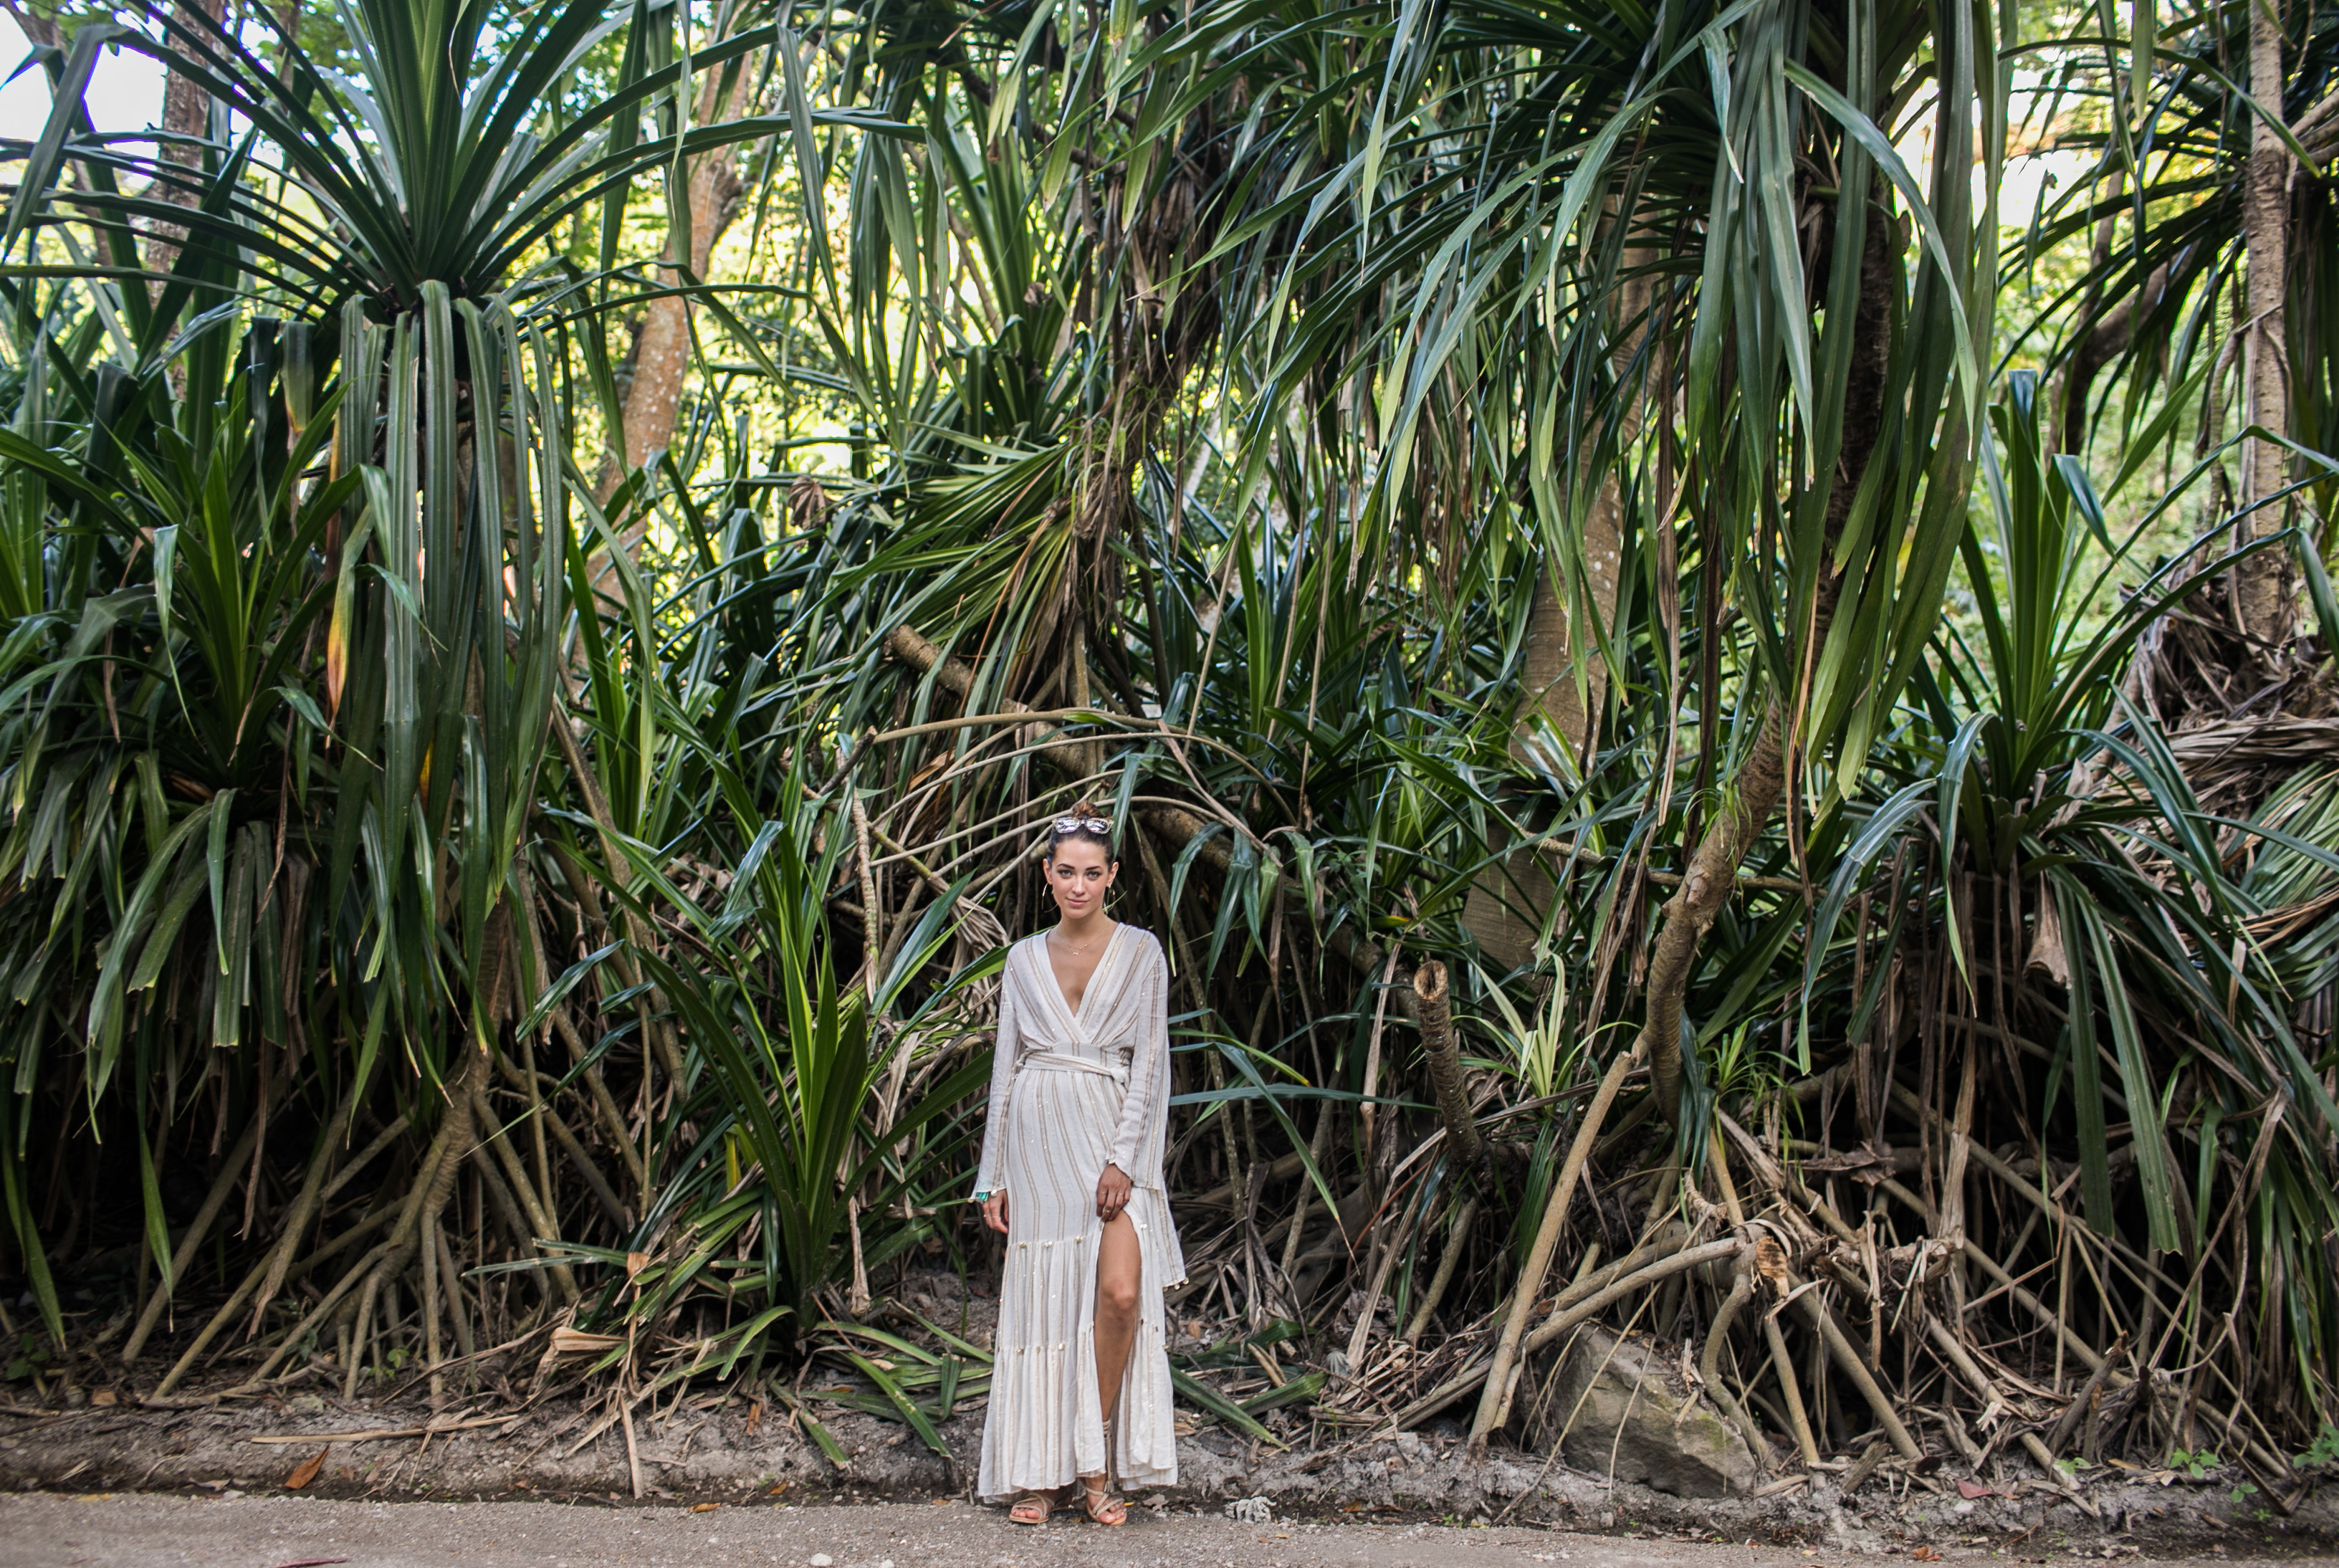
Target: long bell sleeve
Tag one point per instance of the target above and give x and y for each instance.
(990, 1172)
(1138, 1146)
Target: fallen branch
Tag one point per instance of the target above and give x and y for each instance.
(1494, 1406)
(429, 1429)
(2076, 1411)
(1849, 1360)
(2054, 1476)
(1439, 1398)
(1709, 1361)
(1560, 1322)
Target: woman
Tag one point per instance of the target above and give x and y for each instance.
(1071, 1174)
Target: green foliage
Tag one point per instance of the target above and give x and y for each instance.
(2323, 1450)
(293, 528)
(30, 1356)
(1247, 394)
(2197, 1464)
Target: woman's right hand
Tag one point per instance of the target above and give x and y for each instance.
(994, 1212)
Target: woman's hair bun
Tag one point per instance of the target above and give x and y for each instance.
(1083, 822)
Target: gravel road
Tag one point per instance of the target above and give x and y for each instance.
(133, 1531)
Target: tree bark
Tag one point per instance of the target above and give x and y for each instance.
(1494, 905)
(1431, 1000)
(2105, 333)
(186, 112)
(36, 29)
(1551, 645)
(1712, 875)
(2262, 587)
(2108, 337)
(662, 351)
(662, 354)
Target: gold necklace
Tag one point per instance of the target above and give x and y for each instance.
(1075, 952)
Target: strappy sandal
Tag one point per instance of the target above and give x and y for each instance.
(1033, 1508)
(1101, 1506)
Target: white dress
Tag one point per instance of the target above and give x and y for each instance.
(1071, 1091)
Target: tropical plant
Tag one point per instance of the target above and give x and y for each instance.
(292, 610)
(1475, 489)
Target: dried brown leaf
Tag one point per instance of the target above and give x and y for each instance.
(306, 1471)
(568, 1341)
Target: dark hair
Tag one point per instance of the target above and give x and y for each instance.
(1079, 825)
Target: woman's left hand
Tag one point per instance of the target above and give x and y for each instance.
(1113, 1193)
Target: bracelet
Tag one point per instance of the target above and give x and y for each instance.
(980, 1198)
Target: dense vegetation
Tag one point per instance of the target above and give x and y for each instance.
(1702, 704)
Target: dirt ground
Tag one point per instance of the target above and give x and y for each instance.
(233, 1530)
(753, 1463)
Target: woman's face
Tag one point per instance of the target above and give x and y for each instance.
(1077, 875)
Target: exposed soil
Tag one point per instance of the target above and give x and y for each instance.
(695, 1455)
(112, 1531)
(713, 1445)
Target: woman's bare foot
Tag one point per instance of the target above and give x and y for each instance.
(1033, 1508)
(1097, 1498)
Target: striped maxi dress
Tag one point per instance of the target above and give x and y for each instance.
(1071, 1091)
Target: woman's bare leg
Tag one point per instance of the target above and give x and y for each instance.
(1119, 1263)
(1119, 1269)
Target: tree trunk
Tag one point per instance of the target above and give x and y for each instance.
(2108, 337)
(1432, 1005)
(2104, 334)
(1504, 901)
(36, 29)
(2262, 587)
(662, 352)
(186, 112)
(1551, 649)
(1712, 875)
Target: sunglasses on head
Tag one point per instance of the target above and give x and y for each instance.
(1065, 824)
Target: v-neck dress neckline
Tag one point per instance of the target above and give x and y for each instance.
(1073, 1014)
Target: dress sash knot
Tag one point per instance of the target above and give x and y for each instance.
(1058, 1060)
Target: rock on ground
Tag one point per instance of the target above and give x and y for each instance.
(1623, 1413)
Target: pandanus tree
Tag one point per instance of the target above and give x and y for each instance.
(2206, 226)
(297, 529)
(1472, 490)
(1419, 262)
(1632, 352)
(1698, 215)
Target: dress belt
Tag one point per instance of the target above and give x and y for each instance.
(1060, 1062)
